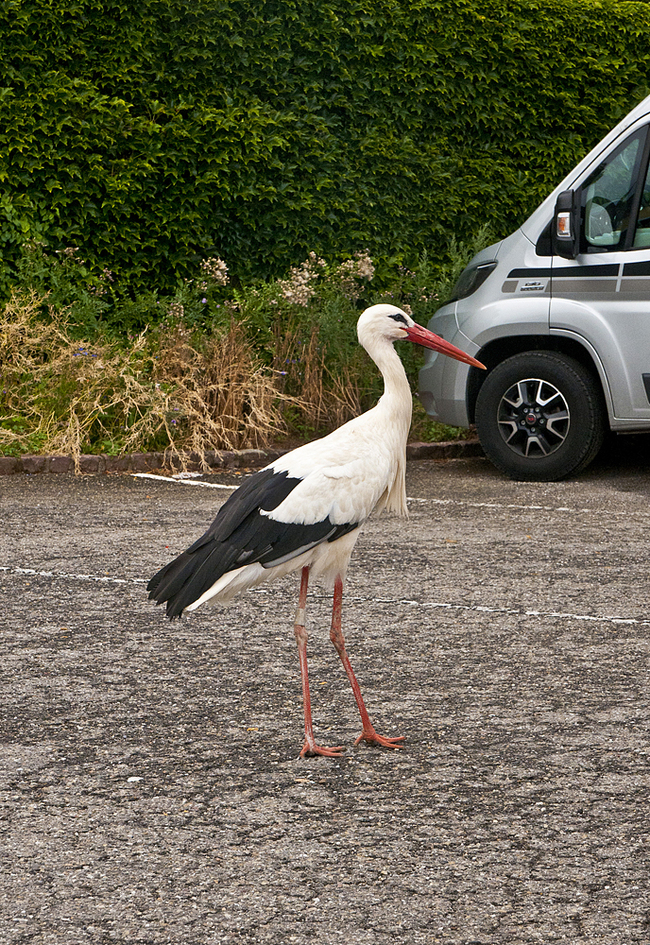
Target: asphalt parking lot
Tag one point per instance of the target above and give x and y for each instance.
(151, 786)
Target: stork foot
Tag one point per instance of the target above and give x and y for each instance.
(310, 748)
(370, 736)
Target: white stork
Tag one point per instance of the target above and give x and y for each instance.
(304, 511)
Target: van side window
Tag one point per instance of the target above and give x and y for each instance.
(642, 235)
(608, 195)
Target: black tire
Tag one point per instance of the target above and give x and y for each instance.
(540, 416)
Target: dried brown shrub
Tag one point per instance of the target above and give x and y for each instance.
(325, 399)
(63, 396)
(222, 397)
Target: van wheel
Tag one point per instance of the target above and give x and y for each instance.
(539, 416)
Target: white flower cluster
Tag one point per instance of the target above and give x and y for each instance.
(360, 267)
(215, 270)
(298, 288)
(364, 265)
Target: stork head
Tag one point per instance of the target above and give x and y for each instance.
(390, 322)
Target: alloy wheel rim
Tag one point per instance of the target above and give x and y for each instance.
(533, 418)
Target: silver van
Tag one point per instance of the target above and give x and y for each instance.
(559, 312)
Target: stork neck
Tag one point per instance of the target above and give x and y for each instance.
(396, 399)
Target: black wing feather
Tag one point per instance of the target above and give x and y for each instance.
(264, 490)
(240, 535)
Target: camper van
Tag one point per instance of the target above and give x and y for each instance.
(559, 313)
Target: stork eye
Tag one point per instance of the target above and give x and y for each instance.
(399, 318)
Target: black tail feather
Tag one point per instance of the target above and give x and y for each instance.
(170, 579)
(190, 575)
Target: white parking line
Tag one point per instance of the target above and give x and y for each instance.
(527, 508)
(182, 482)
(63, 575)
(542, 614)
(394, 601)
(431, 501)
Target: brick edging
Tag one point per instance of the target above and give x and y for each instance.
(216, 459)
(450, 449)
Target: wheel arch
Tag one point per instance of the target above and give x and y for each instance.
(500, 349)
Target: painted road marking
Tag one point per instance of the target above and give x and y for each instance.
(528, 508)
(394, 601)
(63, 575)
(182, 482)
(460, 502)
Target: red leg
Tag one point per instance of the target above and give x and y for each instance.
(368, 733)
(310, 747)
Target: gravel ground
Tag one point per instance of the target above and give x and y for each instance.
(151, 789)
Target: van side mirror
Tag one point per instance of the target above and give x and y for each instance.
(565, 231)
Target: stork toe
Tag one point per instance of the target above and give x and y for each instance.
(372, 738)
(311, 749)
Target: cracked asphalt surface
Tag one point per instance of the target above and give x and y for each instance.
(151, 789)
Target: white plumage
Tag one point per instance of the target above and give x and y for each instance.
(305, 510)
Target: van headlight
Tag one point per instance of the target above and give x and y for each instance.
(471, 279)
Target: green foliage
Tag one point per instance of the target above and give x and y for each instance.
(151, 135)
(63, 280)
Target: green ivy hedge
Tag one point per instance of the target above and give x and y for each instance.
(152, 133)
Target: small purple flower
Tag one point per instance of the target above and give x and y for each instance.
(203, 301)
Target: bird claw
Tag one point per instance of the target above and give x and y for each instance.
(310, 749)
(372, 738)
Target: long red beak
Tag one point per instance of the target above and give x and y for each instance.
(427, 339)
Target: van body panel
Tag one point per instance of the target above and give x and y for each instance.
(590, 300)
(495, 320)
(598, 364)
